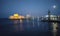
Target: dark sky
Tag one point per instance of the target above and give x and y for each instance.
(33, 7)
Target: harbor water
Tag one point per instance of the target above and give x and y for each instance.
(26, 27)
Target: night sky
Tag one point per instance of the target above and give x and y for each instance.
(32, 7)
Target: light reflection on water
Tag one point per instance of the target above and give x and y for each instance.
(18, 25)
(15, 25)
(27, 25)
(30, 25)
(21, 25)
(54, 30)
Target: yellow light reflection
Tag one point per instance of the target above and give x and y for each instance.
(21, 25)
(15, 25)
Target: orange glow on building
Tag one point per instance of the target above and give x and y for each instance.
(16, 16)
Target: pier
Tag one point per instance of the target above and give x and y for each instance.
(51, 19)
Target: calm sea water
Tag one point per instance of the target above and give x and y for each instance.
(24, 27)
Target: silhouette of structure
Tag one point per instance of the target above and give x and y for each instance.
(52, 21)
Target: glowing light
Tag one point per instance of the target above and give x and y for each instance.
(50, 16)
(54, 6)
(15, 14)
(27, 16)
(11, 17)
(21, 17)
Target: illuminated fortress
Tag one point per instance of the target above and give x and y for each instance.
(16, 16)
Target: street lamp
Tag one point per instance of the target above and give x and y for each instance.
(54, 6)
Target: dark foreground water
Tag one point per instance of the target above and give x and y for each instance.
(24, 28)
